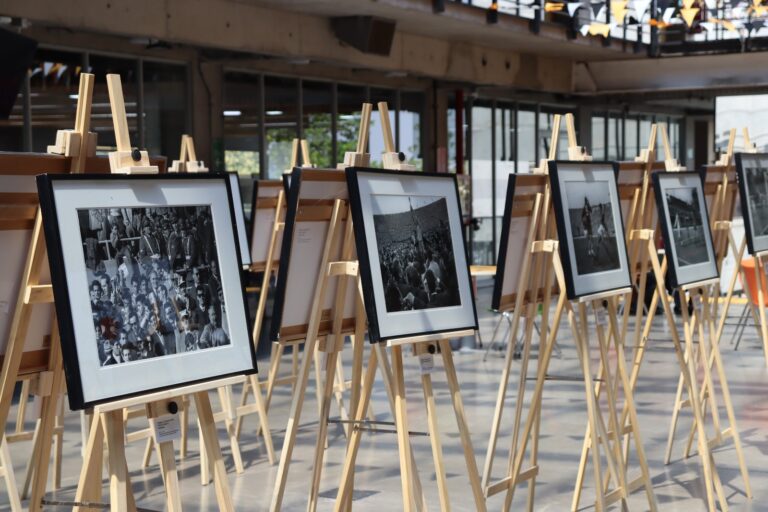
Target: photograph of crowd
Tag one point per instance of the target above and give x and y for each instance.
(594, 235)
(154, 283)
(687, 225)
(415, 250)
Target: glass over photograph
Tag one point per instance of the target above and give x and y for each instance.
(757, 190)
(687, 226)
(415, 249)
(594, 235)
(154, 283)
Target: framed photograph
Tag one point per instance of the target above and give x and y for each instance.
(685, 227)
(589, 226)
(410, 244)
(237, 205)
(752, 169)
(157, 301)
(516, 223)
(264, 211)
(307, 220)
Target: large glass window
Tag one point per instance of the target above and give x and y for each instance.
(281, 122)
(483, 250)
(526, 140)
(165, 107)
(317, 129)
(598, 137)
(54, 83)
(376, 136)
(631, 149)
(101, 113)
(614, 138)
(350, 101)
(412, 105)
(242, 141)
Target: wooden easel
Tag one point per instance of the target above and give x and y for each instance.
(76, 143)
(689, 360)
(638, 217)
(532, 292)
(721, 206)
(423, 346)
(269, 268)
(187, 161)
(108, 420)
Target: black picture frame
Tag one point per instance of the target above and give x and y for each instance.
(369, 293)
(292, 195)
(254, 202)
(674, 276)
(501, 259)
(620, 277)
(754, 244)
(61, 285)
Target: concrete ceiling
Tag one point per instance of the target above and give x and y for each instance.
(465, 23)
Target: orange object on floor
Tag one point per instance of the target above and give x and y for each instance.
(748, 264)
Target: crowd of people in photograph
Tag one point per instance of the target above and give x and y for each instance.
(155, 287)
(416, 258)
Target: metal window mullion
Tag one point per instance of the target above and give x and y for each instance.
(334, 125)
(493, 182)
(140, 103)
(261, 100)
(300, 109)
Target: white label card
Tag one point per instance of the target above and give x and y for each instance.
(167, 428)
(602, 318)
(426, 363)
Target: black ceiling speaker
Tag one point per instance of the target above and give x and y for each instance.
(16, 54)
(368, 34)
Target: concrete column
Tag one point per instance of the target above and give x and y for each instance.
(208, 121)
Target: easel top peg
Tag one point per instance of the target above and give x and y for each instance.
(126, 160)
(749, 146)
(359, 158)
(78, 143)
(725, 158)
(670, 162)
(575, 152)
(187, 161)
(391, 158)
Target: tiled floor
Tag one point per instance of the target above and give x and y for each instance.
(678, 486)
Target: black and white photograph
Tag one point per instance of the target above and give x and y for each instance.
(415, 251)
(752, 171)
(594, 235)
(410, 245)
(153, 281)
(685, 227)
(146, 277)
(589, 226)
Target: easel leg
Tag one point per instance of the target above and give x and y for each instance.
(401, 420)
(461, 420)
(6, 468)
(119, 484)
(89, 485)
(263, 419)
(234, 445)
(49, 412)
(212, 449)
(419, 501)
(728, 404)
(434, 437)
(322, 430)
(591, 406)
(293, 425)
